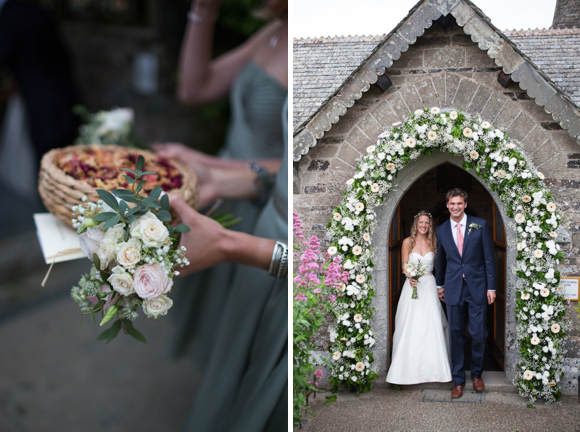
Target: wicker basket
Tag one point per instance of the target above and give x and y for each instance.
(60, 192)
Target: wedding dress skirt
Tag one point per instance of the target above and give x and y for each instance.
(421, 339)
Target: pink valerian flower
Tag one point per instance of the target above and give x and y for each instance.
(316, 291)
(309, 268)
(297, 226)
(318, 374)
(332, 298)
(300, 297)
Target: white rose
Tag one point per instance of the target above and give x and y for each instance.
(121, 281)
(540, 175)
(115, 233)
(538, 253)
(128, 253)
(332, 250)
(106, 252)
(150, 281)
(418, 112)
(520, 218)
(149, 230)
(485, 125)
(158, 306)
(336, 355)
(435, 110)
(90, 241)
(370, 149)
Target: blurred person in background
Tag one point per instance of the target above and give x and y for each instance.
(255, 76)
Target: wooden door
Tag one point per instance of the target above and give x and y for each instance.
(499, 241)
(395, 284)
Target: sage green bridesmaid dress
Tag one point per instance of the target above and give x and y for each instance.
(245, 385)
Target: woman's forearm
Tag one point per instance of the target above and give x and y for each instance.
(247, 249)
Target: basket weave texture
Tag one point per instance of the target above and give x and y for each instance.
(60, 192)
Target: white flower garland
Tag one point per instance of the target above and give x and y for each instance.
(499, 162)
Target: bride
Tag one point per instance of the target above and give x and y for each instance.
(421, 339)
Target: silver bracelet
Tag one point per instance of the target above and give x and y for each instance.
(279, 261)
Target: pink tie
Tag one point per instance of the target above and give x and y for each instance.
(459, 239)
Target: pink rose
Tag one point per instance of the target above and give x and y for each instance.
(150, 281)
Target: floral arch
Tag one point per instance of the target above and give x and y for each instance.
(500, 164)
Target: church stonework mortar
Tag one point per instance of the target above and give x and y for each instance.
(444, 68)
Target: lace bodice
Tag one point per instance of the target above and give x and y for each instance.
(428, 259)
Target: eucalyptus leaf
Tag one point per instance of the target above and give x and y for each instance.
(121, 193)
(163, 215)
(140, 186)
(165, 202)
(129, 180)
(129, 170)
(148, 172)
(123, 207)
(108, 198)
(104, 216)
(115, 219)
(126, 234)
(140, 162)
(171, 230)
(131, 199)
(135, 209)
(182, 228)
(155, 193)
(104, 335)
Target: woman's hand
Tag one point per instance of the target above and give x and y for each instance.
(205, 243)
(413, 282)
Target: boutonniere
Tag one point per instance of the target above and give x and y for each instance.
(473, 226)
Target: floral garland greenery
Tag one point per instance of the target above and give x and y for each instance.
(498, 161)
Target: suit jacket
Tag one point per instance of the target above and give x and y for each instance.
(477, 262)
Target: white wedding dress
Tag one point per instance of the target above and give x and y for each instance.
(421, 339)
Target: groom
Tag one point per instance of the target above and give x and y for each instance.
(466, 280)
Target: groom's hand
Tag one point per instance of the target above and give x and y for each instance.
(490, 297)
(440, 292)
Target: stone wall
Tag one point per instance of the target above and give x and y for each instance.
(443, 68)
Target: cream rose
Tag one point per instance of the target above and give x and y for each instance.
(128, 253)
(526, 198)
(359, 206)
(553, 234)
(361, 278)
(540, 175)
(90, 241)
(544, 292)
(349, 182)
(336, 355)
(370, 149)
(115, 233)
(474, 155)
(337, 216)
(366, 237)
(485, 125)
(390, 166)
(525, 296)
(520, 218)
(538, 253)
(411, 142)
(357, 250)
(418, 112)
(341, 287)
(551, 207)
(528, 375)
(149, 230)
(435, 110)
(332, 250)
(467, 132)
(501, 173)
(150, 281)
(359, 367)
(358, 318)
(555, 328)
(535, 340)
(121, 281)
(453, 115)
(374, 187)
(432, 135)
(106, 252)
(157, 306)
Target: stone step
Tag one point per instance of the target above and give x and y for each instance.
(494, 382)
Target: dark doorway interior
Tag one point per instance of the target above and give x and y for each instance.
(428, 193)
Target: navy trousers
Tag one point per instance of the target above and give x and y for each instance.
(476, 325)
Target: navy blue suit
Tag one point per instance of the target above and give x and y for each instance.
(466, 294)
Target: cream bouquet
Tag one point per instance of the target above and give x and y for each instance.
(415, 270)
(134, 251)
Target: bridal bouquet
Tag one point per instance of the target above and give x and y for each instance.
(134, 251)
(415, 270)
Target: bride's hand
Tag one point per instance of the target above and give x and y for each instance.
(413, 282)
(440, 291)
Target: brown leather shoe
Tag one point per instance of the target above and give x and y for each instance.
(457, 392)
(478, 384)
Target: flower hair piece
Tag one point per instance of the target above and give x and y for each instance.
(423, 214)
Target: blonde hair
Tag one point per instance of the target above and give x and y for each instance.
(431, 236)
